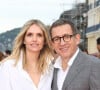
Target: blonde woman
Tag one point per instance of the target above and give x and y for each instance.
(29, 66)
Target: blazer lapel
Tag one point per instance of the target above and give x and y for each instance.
(73, 71)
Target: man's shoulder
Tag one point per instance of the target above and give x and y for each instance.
(96, 54)
(88, 57)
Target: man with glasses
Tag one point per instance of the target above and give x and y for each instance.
(73, 69)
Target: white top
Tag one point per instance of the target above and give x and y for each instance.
(15, 78)
(62, 74)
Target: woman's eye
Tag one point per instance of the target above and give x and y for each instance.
(29, 34)
(40, 35)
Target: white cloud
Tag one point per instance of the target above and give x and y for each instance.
(14, 13)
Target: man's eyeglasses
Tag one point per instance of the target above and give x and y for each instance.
(65, 38)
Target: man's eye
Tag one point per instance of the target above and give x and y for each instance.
(66, 36)
(56, 39)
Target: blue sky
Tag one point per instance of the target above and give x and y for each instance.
(14, 13)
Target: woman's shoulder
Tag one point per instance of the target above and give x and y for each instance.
(5, 64)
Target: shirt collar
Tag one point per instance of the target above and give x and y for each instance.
(59, 61)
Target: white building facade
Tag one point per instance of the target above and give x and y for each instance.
(93, 28)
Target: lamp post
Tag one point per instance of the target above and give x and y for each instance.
(84, 30)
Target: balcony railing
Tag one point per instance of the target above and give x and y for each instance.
(93, 28)
(94, 5)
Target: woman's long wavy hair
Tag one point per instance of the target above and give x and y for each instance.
(45, 53)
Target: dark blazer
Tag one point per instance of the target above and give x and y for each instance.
(84, 74)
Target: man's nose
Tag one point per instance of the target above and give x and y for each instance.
(62, 41)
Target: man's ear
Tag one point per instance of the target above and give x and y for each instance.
(78, 39)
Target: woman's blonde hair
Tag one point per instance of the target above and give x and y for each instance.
(45, 53)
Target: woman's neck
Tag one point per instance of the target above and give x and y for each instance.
(31, 60)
